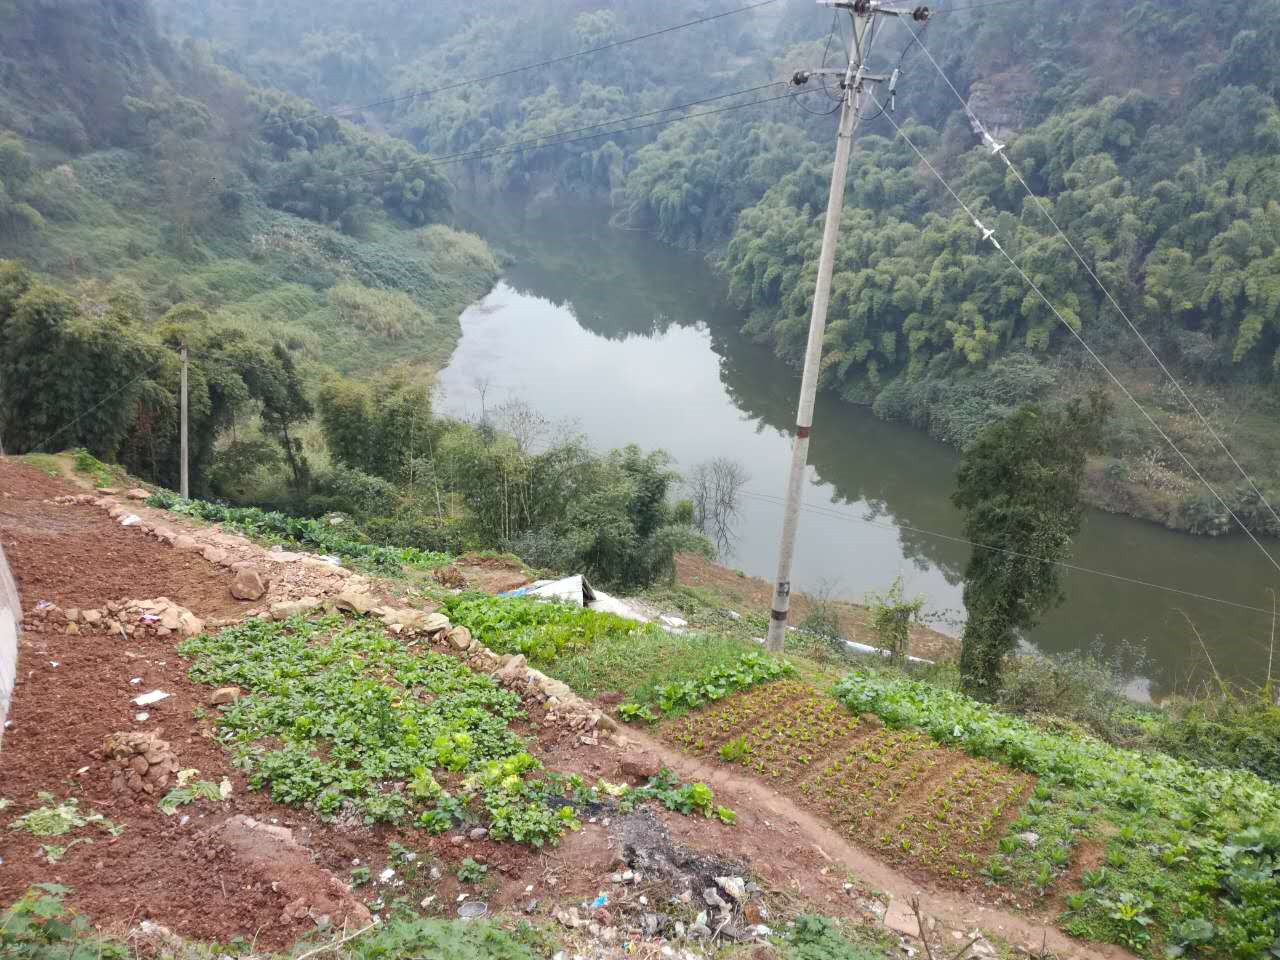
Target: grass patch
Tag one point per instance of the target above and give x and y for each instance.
(637, 665)
(314, 535)
(44, 462)
(1189, 858)
(814, 937)
(422, 937)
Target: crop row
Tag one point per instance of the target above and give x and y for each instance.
(895, 790)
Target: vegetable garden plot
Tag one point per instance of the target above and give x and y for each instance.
(896, 791)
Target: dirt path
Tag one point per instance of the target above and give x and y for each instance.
(76, 555)
(76, 689)
(782, 840)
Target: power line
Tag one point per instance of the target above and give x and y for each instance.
(999, 149)
(147, 371)
(989, 235)
(538, 142)
(551, 61)
(1133, 581)
(978, 6)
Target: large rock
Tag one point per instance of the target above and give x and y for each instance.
(137, 493)
(640, 765)
(460, 637)
(214, 554)
(293, 608)
(516, 670)
(250, 583)
(225, 695)
(356, 601)
(184, 542)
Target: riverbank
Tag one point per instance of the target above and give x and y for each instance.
(703, 585)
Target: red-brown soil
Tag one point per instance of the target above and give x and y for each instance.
(75, 555)
(179, 874)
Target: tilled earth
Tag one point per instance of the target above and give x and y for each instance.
(195, 874)
(77, 556)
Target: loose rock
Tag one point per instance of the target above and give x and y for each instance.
(250, 583)
(225, 695)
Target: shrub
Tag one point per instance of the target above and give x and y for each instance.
(385, 313)
(1078, 687)
(1239, 730)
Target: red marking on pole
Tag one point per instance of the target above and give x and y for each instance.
(803, 432)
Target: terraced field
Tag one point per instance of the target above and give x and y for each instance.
(894, 790)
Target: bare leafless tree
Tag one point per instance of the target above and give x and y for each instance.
(527, 426)
(482, 383)
(715, 489)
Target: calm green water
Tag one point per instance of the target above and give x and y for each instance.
(634, 342)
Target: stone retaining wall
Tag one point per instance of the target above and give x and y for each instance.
(10, 617)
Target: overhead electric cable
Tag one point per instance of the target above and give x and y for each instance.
(894, 525)
(147, 371)
(551, 61)
(999, 149)
(547, 140)
(989, 235)
(978, 6)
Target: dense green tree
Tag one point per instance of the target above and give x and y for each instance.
(278, 386)
(1019, 487)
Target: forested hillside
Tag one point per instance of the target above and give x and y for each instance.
(1150, 131)
(149, 197)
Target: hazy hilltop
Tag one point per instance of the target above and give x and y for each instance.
(1151, 131)
(266, 164)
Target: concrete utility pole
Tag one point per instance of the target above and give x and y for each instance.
(853, 82)
(183, 487)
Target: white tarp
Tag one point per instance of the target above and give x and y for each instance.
(577, 591)
(10, 617)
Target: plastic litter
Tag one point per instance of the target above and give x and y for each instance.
(147, 699)
(473, 909)
(599, 901)
(131, 520)
(577, 591)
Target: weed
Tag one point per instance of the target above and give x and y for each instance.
(55, 820)
(40, 927)
(469, 871)
(186, 793)
(311, 534)
(819, 938)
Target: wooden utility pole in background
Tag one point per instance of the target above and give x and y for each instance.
(853, 81)
(183, 486)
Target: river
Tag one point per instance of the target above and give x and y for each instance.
(634, 342)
